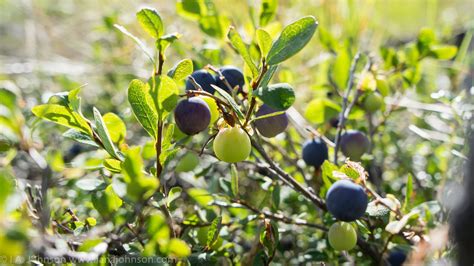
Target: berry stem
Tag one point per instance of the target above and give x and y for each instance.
(221, 77)
(191, 93)
(255, 84)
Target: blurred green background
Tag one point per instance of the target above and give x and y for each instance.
(74, 41)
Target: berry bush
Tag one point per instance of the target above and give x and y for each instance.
(287, 143)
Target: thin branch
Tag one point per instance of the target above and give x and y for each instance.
(191, 93)
(221, 77)
(286, 177)
(129, 227)
(159, 167)
(255, 85)
(345, 100)
(280, 217)
(161, 60)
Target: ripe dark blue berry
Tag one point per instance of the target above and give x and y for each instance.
(396, 257)
(192, 115)
(315, 152)
(353, 144)
(271, 126)
(334, 122)
(233, 75)
(203, 78)
(346, 201)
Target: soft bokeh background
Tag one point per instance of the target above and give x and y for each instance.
(45, 43)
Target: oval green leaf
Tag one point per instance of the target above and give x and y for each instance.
(292, 39)
(241, 48)
(279, 96)
(142, 105)
(151, 22)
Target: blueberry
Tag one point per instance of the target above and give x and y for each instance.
(315, 152)
(346, 201)
(192, 115)
(353, 144)
(73, 151)
(334, 122)
(203, 78)
(233, 75)
(271, 126)
(396, 257)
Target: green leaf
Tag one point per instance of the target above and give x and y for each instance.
(157, 227)
(91, 221)
(89, 184)
(104, 135)
(443, 52)
(178, 248)
(340, 69)
(383, 87)
(136, 40)
(321, 110)
(412, 54)
(116, 127)
(165, 41)
(168, 151)
(349, 171)
(80, 137)
(89, 244)
(7, 186)
(267, 11)
(213, 232)
(408, 192)
(268, 76)
(132, 165)
(75, 100)
(174, 193)
(8, 122)
(412, 75)
(264, 41)
(241, 48)
(107, 201)
(151, 22)
(60, 98)
(63, 116)
(279, 96)
(187, 163)
(327, 39)
(190, 9)
(113, 165)
(276, 197)
(8, 98)
(214, 25)
(142, 106)
(426, 37)
(292, 39)
(362, 227)
(139, 185)
(230, 100)
(201, 196)
(166, 92)
(183, 69)
(234, 183)
(327, 170)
